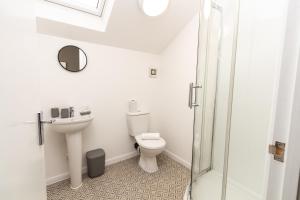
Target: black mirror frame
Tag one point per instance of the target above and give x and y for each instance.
(66, 68)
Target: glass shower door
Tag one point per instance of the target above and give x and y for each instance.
(213, 98)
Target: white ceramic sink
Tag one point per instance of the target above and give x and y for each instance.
(72, 128)
(70, 125)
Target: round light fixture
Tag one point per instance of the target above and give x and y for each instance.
(154, 8)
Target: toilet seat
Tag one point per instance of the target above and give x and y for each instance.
(150, 144)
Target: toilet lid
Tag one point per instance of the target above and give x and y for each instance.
(151, 144)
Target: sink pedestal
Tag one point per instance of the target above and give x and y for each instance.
(72, 128)
(74, 146)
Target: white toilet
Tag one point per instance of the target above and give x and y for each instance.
(138, 123)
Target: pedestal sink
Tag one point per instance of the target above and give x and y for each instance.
(72, 128)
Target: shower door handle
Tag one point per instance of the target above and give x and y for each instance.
(192, 99)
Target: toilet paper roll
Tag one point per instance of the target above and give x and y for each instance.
(133, 106)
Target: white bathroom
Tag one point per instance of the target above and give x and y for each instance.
(171, 100)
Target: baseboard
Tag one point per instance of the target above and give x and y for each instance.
(178, 159)
(108, 162)
(120, 158)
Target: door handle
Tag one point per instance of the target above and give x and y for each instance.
(40, 128)
(192, 100)
(40, 123)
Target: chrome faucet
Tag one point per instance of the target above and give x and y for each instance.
(71, 112)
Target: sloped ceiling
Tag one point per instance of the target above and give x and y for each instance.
(129, 28)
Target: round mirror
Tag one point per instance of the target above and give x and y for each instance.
(72, 58)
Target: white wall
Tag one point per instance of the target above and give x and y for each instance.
(178, 69)
(111, 78)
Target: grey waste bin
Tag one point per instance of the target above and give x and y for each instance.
(95, 162)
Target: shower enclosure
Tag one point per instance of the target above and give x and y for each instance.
(232, 101)
(213, 98)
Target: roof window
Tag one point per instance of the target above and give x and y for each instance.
(94, 7)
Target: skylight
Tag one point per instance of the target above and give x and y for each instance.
(94, 7)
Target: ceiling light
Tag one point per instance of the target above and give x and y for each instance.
(154, 7)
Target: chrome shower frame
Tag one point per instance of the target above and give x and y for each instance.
(216, 6)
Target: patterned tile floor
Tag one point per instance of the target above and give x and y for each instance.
(126, 181)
